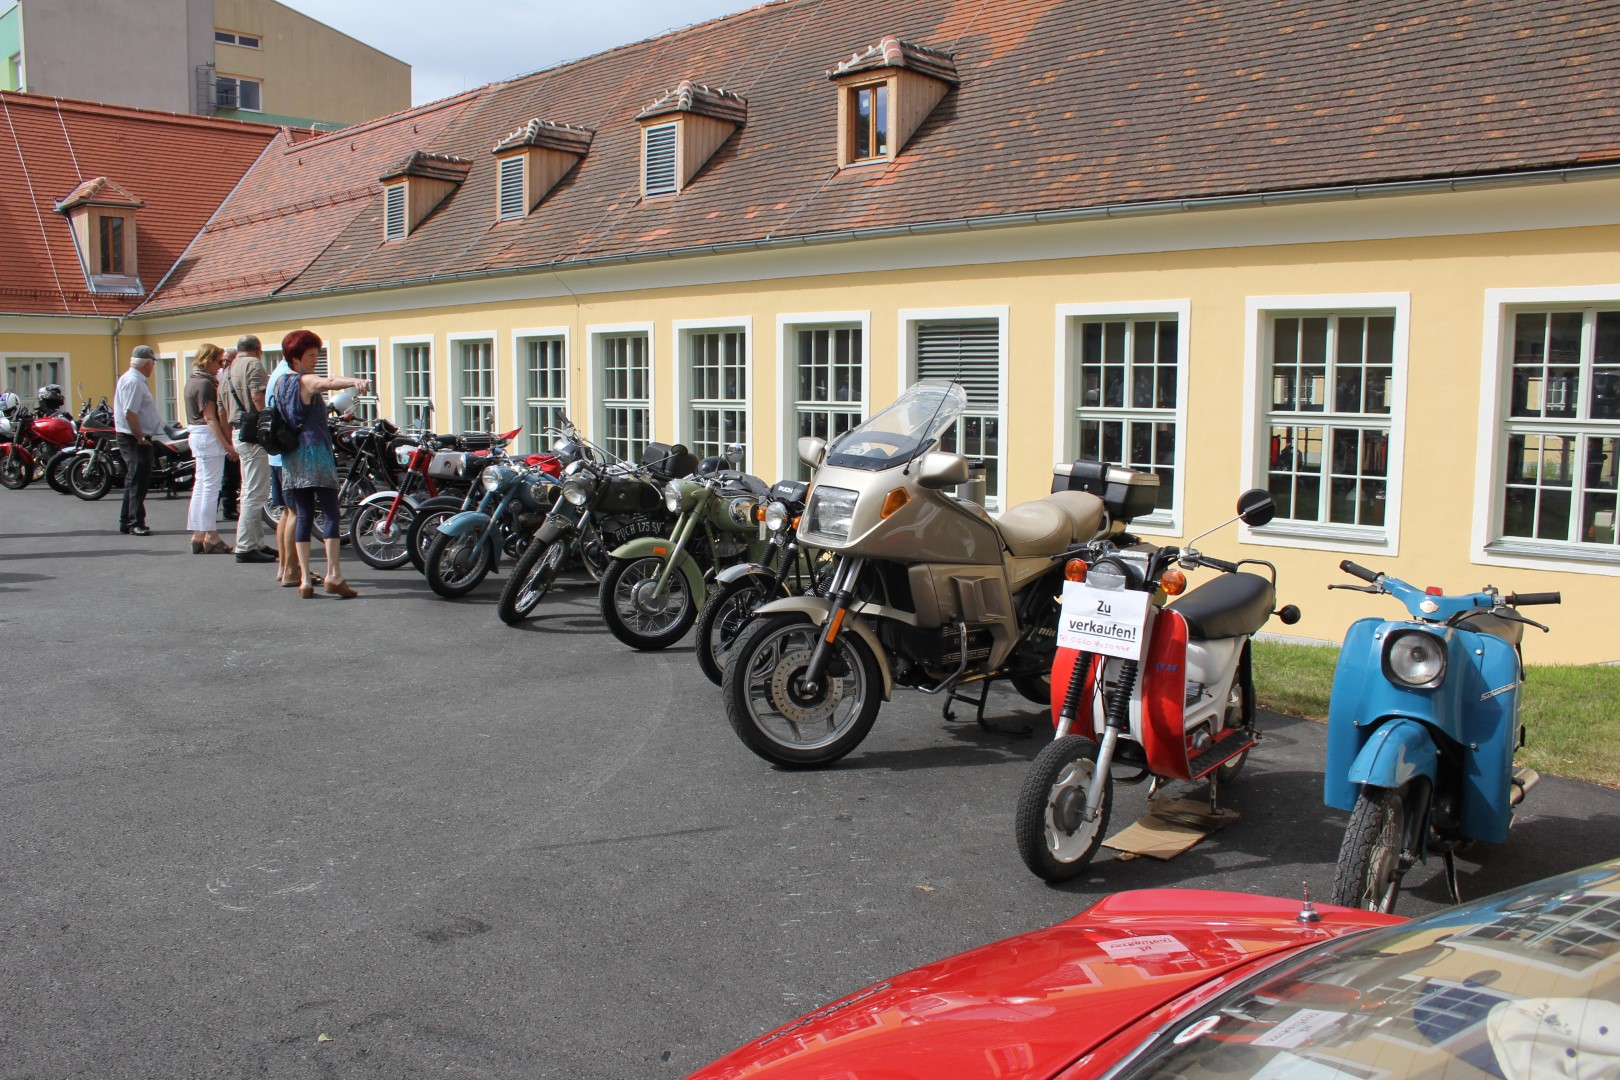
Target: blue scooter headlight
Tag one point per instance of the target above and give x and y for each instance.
(1416, 658)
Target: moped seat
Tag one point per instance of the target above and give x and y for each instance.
(1049, 526)
(1231, 605)
(1483, 622)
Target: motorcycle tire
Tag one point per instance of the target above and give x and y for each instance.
(379, 549)
(633, 622)
(425, 529)
(1036, 688)
(453, 569)
(780, 723)
(1054, 839)
(56, 470)
(90, 480)
(14, 474)
(1372, 858)
(722, 621)
(530, 580)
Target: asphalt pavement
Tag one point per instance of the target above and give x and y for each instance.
(247, 834)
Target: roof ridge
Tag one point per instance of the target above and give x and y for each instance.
(329, 137)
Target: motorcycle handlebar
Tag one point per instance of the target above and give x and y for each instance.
(1218, 564)
(1529, 599)
(1361, 572)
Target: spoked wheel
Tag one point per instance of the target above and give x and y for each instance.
(56, 471)
(722, 620)
(776, 715)
(424, 530)
(89, 479)
(531, 579)
(14, 473)
(380, 542)
(457, 564)
(1379, 847)
(272, 516)
(1054, 838)
(593, 552)
(637, 617)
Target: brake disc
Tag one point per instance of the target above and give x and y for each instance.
(796, 706)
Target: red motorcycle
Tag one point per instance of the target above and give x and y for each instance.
(33, 441)
(93, 425)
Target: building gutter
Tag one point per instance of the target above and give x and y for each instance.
(1122, 211)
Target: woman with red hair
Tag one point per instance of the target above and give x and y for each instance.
(309, 473)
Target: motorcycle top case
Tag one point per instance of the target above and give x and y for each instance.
(1127, 493)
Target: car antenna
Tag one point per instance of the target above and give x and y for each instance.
(1307, 910)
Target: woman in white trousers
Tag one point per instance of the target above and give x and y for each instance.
(210, 447)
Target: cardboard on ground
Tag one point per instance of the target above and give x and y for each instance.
(1170, 827)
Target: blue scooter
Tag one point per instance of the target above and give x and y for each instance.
(1422, 728)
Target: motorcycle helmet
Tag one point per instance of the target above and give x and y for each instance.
(9, 404)
(342, 401)
(51, 398)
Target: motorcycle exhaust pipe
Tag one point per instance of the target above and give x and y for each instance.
(1523, 780)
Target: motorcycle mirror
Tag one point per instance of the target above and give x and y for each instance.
(735, 453)
(1255, 507)
(812, 450)
(942, 470)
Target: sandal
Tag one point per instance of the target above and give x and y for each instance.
(214, 547)
(341, 588)
(307, 592)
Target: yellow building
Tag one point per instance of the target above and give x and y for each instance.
(1343, 259)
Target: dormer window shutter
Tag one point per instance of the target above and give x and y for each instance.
(511, 188)
(394, 212)
(659, 177)
(532, 160)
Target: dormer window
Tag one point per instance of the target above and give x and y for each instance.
(416, 187)
(884, 94)
(102, 217)
(531, 161)
(510, 197)
(682, 130)
(111, 256)
(394, 212)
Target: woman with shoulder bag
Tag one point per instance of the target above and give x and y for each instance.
(210, 446)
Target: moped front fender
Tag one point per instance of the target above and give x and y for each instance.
(468, 521)
(659, 547)
(738, 571)
(1398, 750)
(820, 609)
(386, 499)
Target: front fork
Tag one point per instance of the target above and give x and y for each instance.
(843, 592)
(683, 536)
(1119, 720)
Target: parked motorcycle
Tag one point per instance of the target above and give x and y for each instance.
(1165, 689)
(98, 467)
(91, 426)
(785, 568)
(516, 499)
(34, 439)
(478, 450)
(380, 528)
(366, 463)
(1422, 728)
(654, 587)
(928, 591)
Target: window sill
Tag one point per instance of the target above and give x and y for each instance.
(866, 161)
(1322, 538)
(1527, 554)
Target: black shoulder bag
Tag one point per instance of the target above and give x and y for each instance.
(277, 434)
(247, 420)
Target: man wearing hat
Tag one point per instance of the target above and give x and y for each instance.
(136, 416)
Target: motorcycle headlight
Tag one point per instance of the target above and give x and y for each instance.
(672, 496)
(577, 490)
(741, 510)
(1416, 658)
(832, 512)
(494, 476)
(776, 517)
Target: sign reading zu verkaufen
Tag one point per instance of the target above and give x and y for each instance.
(1108, 622)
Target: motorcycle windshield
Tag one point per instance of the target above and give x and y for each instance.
(905, 430)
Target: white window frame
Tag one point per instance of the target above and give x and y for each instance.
(1065, 406)
(685, 330)
(396, 371)
(458, 402)
(1495, 370)
(258, 84)
(367, 406)
(233, 37)
(27, 392)
(169, 408)
(787, 325)
(505, 168)
(995, 500)
(1353, 539)
(593, 377)
(520, 378)
(674, 187)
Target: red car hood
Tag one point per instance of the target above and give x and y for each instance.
(1028, 1006)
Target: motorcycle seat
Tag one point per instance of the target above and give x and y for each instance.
(1228, 606)
(1050, 525)
(1483, 622)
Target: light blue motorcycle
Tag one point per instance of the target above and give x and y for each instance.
(1422, 728)
(516, 499)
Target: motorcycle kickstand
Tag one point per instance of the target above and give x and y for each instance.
(948, 713)
(1452, 889)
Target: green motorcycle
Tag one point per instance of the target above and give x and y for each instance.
(654, 586)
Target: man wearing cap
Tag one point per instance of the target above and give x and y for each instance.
(136, 416)
(243, 390)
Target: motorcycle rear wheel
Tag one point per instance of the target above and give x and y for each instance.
(633, 616)
(90, 479)
(1373, 859)
(530, 580)
(13, 473)
(723, 619)
(770, 712)
(1054, 839)
(456, 565)
(384, 549)
(1036, 688)
(56, 470)
(425, 529)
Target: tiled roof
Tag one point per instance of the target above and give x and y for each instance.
(430, 167)
(55, 151)
(691, 97)
(1062, 105)
(891, 52)
(548, 135)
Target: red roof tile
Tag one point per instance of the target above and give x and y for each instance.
(177, 168)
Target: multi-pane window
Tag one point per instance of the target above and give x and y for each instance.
(625, 394)
(360, 362)
(869, 122)
(829, 385)
(414, 377)
(26, 374)
(168, 395)
(718, 389)
(968, 351)
(1330, 386)
(1561, 460)
(231, 37)
(475, 385)
(1126, 412)
(110, 237)
(235, 92)
(545, 381)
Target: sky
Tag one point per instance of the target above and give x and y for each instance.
(455, 45)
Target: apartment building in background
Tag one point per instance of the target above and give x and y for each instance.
(253, 60)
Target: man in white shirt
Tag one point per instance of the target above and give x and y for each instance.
(136, 416)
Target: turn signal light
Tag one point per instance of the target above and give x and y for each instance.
(1174, 582)
(895, 500)
(1074, 570)
(759, 512)
(796, 521)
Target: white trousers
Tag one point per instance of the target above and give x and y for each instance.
(255, 493)
(210, 456)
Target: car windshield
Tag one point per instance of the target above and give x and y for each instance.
(903, 431)
(1523, 985)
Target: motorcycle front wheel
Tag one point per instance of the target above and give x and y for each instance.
(425, 529)
(456, 565)
(89, 479)
(531, 579)
(14, 474)
(1377, 848)
(722, 621)
(381, 543)
(1055, 840)
(771, 711)
(634, 615)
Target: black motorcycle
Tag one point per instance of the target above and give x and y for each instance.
(99, 466)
